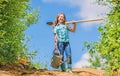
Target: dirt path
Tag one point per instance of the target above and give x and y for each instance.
(76, 72)
(24, 70)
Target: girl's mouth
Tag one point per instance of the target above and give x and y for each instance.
(61, 19)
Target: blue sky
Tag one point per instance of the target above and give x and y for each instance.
(41, 35)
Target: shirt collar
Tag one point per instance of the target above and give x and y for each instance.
(59, 24)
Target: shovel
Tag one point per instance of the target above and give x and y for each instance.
(78, 21)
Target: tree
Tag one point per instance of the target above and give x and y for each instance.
(107, 48)
(15, 17)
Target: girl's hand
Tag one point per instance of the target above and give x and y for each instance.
(74, 27)
(56, 47)
(74, 22)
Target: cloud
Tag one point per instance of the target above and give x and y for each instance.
(83, 62)
(68, 2)
(88, 9)
(61, 1)
(91, 10)
(50, 1)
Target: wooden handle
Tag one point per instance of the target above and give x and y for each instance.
(90, 20)
(78, 21)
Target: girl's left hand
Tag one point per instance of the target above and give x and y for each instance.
(74, 22)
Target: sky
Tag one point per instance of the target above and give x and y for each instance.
(42, 38)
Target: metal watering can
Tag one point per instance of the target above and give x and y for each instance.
(56, 60)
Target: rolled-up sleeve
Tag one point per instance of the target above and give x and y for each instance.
(69, 28)
(55, 30)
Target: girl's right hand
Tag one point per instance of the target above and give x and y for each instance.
(56, 47)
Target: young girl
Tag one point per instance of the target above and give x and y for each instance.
(62, 44)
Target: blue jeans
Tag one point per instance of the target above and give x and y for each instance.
(64, 47)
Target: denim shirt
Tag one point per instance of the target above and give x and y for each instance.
(62, 31)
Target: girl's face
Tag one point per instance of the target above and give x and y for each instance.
(61, 18)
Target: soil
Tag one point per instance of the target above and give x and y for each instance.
(24, 70)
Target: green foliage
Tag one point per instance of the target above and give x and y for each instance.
(38, 65)
(15, 17)
(35, 65)
(108, 47)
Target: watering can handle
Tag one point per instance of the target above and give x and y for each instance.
(56, 51)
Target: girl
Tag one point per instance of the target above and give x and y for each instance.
(62, 44)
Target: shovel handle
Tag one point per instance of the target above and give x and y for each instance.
(78, 21)
(90, 20)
